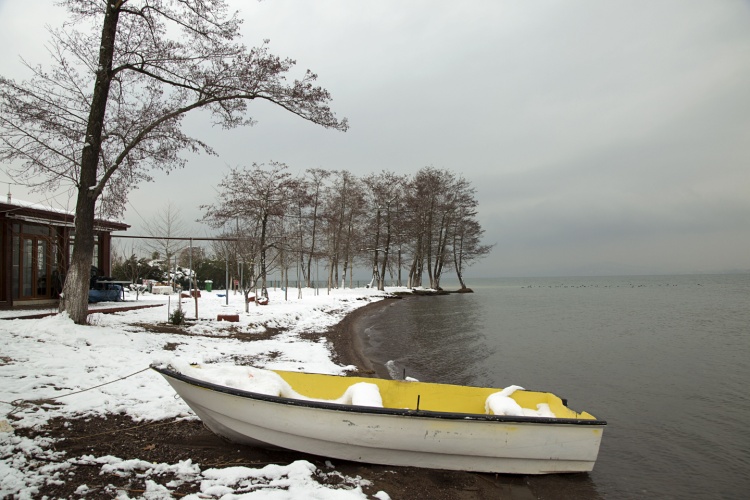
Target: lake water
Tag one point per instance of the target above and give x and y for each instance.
(665, 360)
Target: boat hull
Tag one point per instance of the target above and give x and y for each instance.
(478, 443)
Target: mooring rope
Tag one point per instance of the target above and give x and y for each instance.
(19, 404)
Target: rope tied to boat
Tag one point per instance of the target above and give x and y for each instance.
(21, 404)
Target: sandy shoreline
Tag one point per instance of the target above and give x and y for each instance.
(350, 346)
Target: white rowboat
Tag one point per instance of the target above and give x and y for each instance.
(420, 424)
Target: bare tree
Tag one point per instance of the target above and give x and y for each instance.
(344, 213)
(165, 225)
(384, 194)
(467, 246)
(432, 204)
(309, 202)
(423, 205)
(237, 252)
(124, 74)
(259, 196)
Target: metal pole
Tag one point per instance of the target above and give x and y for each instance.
(226, 268)
(299, 285)
(193, 280)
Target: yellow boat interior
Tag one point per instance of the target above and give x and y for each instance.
(399, 394)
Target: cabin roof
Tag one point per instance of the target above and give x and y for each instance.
(41, 214)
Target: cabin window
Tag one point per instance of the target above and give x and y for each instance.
(95, 258)
(32, 254)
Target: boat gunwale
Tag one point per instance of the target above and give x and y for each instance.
(371, 409)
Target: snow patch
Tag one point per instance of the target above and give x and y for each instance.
(260, 381)
(500, 403)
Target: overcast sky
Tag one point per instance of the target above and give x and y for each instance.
(603, 137)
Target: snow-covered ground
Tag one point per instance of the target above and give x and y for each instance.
(71, 366)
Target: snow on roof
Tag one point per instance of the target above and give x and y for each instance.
(37, 206)
(45, 208)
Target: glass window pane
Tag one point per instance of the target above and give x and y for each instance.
(41, 268)
(15, 264)
(27, 266)
(35, 229)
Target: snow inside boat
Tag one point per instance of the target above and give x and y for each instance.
(391, 422)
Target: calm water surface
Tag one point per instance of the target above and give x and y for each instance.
(664, 359)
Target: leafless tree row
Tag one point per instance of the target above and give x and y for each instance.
(411, 229)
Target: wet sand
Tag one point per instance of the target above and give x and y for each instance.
(348, 339)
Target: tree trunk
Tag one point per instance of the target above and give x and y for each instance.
(458, 257)
(386, 250)
(75, 296)
(314, 233)
(75, 290)
(263, 273)
(459, 273)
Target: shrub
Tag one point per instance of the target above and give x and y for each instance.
(177, 317)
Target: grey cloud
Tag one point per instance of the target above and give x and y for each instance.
(601, 136)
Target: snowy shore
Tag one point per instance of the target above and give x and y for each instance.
(52, 369)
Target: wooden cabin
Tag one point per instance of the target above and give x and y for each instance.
(35, 247)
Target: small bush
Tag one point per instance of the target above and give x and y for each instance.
(177, 317)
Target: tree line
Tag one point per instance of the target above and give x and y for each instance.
(412, 229)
